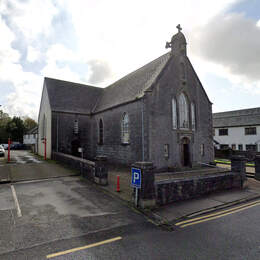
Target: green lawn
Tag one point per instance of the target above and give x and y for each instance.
(226, 161)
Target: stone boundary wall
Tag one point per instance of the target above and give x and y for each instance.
(168, 191)
(94, 171)
(229, 153)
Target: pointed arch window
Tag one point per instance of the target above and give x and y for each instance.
(125, 129)
(76, 127)
(183, 112)
(174, 114)
(193, 117)
(101, 132)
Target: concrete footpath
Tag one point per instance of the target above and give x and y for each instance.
(4, 171)
(208, 203)
(178, 210)
(25, 166)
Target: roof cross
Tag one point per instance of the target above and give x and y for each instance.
(179, 27)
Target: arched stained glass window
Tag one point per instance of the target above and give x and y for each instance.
(183, 112)
(193, 117)
(101, 132)
(125, 129)
(174, 114)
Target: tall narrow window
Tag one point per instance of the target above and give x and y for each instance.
(101, 132)
(183, 112)
(193, 118)
(174, 114)
(202, 152)
(76, 126)
(125, 129)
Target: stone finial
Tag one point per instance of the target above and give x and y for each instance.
(178, 42)
(179, 27)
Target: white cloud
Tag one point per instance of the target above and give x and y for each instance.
(7, 53)
(25, 97)
(31, 17)
(100, 71)
(59, 53)
(33, 54)
(229, 46)
(128, 34)
(97, 72)
(116, 37)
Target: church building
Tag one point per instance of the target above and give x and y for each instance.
(158, 113)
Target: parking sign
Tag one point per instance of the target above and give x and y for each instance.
(136, 178)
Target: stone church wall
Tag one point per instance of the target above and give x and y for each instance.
(113, 148)
(161, 132)
(63, 133)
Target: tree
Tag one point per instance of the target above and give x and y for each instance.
(4, 119)
(29, 123)
(16, 129)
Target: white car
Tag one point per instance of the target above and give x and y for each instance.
(5, 146)
(2, 151)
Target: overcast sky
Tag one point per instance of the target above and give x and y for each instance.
(98, 41)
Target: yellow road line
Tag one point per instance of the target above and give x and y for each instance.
(219, 216)
(217, 213)
(83, 247)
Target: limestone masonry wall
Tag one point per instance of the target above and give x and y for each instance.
(171, 191)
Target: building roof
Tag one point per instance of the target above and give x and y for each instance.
(243, 117)
(33, 130)
(67, 96)
(133, 85)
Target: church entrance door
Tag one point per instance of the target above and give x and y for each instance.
(75, 144)
(185, 152)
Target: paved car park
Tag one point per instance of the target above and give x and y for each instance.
(37, 212)
(45, 202)
(25, 166)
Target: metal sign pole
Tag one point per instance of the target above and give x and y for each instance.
(136, 183)
(136, 197)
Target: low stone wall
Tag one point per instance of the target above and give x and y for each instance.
(94, 171)
(229, 153)
(168, 191)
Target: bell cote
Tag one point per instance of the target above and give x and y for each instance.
(178, 43)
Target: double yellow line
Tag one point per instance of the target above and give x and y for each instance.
(216, 215)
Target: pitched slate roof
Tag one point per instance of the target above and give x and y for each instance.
(243, 117)
(71, 97)
(132, 85)
(33, 130)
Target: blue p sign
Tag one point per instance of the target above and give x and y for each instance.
(136, 178)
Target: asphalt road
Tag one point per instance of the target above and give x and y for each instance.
(68, 218)
(76, 227)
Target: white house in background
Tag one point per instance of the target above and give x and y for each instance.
(238, 129)
(30, 138)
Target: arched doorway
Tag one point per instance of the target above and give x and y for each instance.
(185, 151)
(75, 144)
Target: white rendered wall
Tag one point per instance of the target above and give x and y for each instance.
(29, 139)
(45, 109)
(236, 135)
